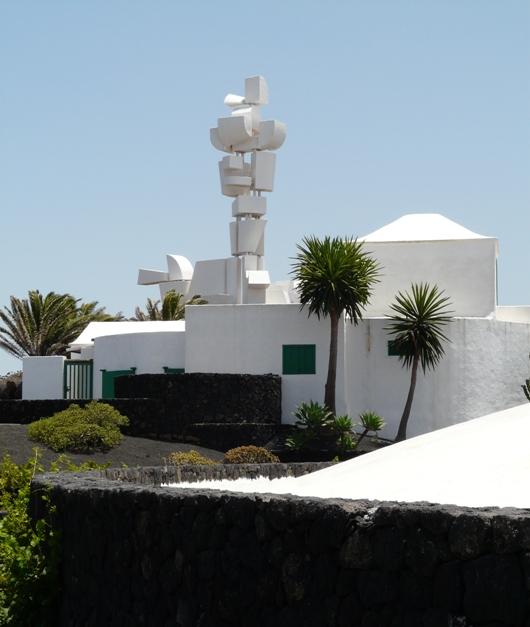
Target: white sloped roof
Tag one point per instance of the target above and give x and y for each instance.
(100, 329)
(422, 227)
(461, 465)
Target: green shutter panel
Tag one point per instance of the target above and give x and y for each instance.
(299, 359)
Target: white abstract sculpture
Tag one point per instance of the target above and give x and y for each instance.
(246, 172)
(245, 179)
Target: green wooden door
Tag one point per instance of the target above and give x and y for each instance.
(107, 381)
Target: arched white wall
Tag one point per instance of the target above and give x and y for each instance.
(147, 352)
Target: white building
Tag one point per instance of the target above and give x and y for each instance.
(481, 372)
(254, 326)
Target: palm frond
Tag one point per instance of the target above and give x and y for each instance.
(416, 324)
(334, 275)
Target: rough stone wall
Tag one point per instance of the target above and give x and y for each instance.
(156, 475)
(208, 397)
(214, 410)
(134, 555)
(144, 413)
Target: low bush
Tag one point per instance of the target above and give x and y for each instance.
(29, 553)
(249, 455)
(189, 458)
(95, 427)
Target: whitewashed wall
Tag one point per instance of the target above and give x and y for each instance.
(465, 269)
(147, 352)
(42, 377)
(482, 372)
(249, 339)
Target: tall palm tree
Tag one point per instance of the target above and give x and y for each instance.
(173, 307)
(335, 276)
(416, 325)
(46, 325)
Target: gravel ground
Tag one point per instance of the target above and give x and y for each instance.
(132, 451)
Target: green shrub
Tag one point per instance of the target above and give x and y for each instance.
(28, 553)
(189, 457)
(250, 455)
(95, 427)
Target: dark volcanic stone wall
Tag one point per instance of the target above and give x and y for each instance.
(209, 397)
(134, 555)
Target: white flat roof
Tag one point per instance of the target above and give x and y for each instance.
(422, 227)
(100, 329)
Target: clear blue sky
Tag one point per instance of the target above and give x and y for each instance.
(392, 106)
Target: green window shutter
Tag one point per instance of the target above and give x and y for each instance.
(168, 370)
(394, 350)
(299, 359)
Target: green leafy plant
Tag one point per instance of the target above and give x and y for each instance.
(29, 553)
(416, 325)
(189, 458)
(343, 427)
(249, 455)
(46, 324)
(95, 427)
(370, 421)
(335, 276)
(313, 416)
(313, 424)
(173, 307)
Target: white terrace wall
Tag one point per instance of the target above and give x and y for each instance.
(147, 352)
(465, 269)
(43, 377)
(482, 372)
(249, 339)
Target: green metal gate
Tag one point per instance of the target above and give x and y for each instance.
(78, 379)
(107, 381)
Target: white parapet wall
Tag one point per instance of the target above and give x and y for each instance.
(482, 372)
(147, 352)
(42, 377)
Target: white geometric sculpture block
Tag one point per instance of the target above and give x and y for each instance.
(247, 237)
(249, 205)
(256, 90)
(179, 268)
(262, 168)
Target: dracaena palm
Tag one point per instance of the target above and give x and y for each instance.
(334, 276)
(45, 324)
(173, 307)
(417, 322)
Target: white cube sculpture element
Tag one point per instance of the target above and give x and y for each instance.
(263, 164)
(247, 237)
(249, 205)
(256, 90)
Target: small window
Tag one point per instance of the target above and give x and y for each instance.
(298, 359)
(394, 349)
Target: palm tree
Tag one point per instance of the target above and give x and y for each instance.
(46, 325)
(416, 326)
(173, 307)
(335, 276)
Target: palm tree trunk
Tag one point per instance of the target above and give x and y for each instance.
(402, 431)
(329, 396)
